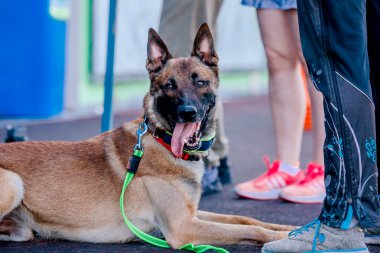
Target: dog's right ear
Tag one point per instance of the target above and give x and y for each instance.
(158, 53)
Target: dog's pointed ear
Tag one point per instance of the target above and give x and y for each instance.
(204, 47)
(158, 53)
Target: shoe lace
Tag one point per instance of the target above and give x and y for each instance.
(272, 168)
(312, 172)
(312, 225)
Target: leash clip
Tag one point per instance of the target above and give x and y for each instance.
(143, 128)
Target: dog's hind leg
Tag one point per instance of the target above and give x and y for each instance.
(11, 195)
(14, 230)
(242, 220)
(11, 191)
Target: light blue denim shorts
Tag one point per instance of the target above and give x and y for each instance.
(271, 4)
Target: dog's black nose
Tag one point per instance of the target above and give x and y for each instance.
(187, 113)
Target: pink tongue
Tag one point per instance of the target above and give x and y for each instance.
(182, 131)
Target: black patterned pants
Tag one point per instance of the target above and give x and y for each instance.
(334, 42)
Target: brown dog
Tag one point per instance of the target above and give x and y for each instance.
(71, 190)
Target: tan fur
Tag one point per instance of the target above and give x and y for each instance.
(13, 184)
(70, 190)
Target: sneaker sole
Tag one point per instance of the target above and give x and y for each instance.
(361, 250)
(304, 199)
(372, 240)
(273, 194)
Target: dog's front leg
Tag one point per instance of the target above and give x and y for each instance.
(205, 232)
(242, 220)
(176, 216)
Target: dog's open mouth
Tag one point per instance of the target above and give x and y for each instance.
(185, 135)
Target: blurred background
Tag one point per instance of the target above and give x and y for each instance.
(53, 56)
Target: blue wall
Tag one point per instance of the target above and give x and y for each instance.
(32, 52)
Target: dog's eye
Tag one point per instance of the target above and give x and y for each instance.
(169, 86)
(201, 83)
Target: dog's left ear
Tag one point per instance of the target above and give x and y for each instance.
(158, 53)
(204, 47)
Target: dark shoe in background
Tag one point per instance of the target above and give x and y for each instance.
(224, 171)
(210, 181)
(16, 134)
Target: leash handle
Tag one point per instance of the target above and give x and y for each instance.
(154, 240)
(140, 234)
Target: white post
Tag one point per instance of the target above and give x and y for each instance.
(73, 58)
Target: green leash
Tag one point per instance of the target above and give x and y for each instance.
(132, 168)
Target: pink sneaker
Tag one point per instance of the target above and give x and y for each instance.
(268, 185)
(310, 190)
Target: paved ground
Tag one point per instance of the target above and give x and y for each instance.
(249, 128)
